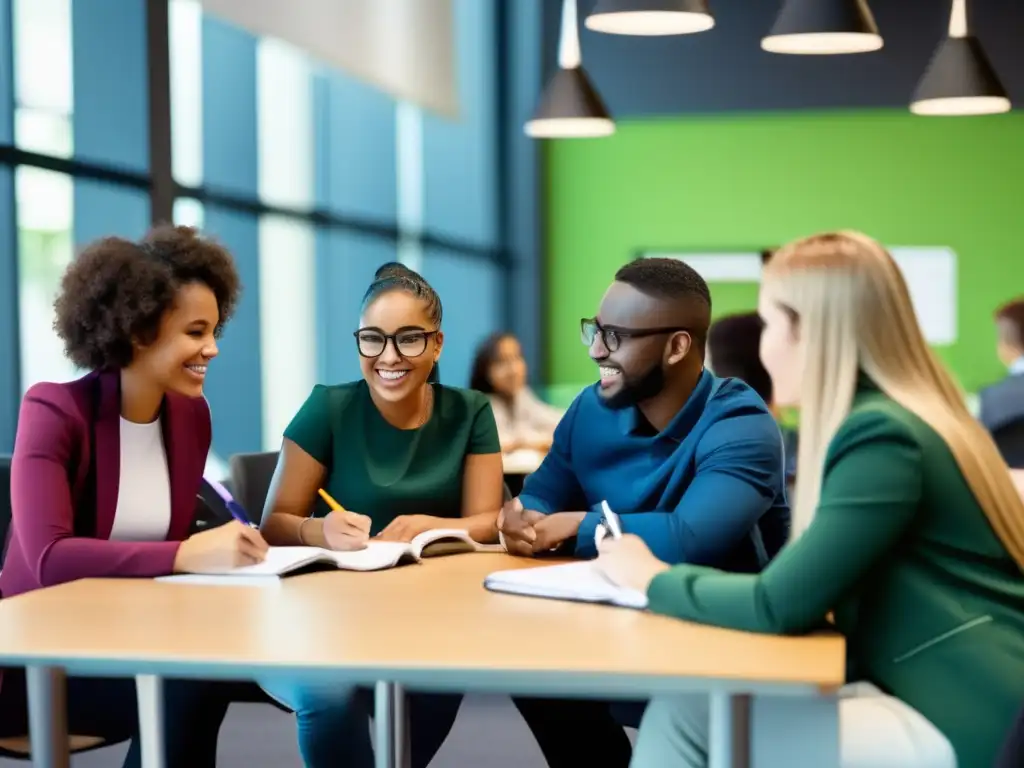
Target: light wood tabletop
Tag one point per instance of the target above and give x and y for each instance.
(426, 618)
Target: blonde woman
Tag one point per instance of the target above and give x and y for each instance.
(907, 527)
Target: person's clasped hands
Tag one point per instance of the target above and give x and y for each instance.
(527, 532)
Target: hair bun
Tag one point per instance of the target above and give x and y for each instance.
(394, 269)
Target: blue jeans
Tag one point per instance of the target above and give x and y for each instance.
(332, 721)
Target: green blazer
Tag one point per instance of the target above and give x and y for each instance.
(930, 602)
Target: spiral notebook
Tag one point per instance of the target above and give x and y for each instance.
(376, 556)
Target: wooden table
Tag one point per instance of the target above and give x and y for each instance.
(430, 626)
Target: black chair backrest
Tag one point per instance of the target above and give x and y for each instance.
(251, 474)
(1012, 754)
(1009, 439)
(5, 505)
(211, 511)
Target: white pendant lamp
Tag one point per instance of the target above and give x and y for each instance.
(959, 79)
(570, 107)
(822, 27)
(650, 17)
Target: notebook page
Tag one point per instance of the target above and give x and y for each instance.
(280, 560)
(449, 541)
(571, 581)
(376, 556)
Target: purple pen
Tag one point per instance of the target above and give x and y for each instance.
(233, 506)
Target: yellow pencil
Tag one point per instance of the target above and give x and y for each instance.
(334, 505)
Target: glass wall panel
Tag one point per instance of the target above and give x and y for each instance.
(471, 293)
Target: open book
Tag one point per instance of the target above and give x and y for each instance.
(377, 555)
(580, 582)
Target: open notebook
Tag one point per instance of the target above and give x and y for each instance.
(580, 582)
(377, 555)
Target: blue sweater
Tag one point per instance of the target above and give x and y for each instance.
(709, 489)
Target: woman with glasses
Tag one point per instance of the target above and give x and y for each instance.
(404, 454)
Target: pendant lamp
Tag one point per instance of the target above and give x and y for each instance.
(959, 79)
(570, 107)
(650, 17)
(823, 27)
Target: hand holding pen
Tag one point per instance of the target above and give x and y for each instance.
(232, 545)
(344, 530)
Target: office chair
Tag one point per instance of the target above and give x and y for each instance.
(1012, 754)
(251, 474)
(19, 747)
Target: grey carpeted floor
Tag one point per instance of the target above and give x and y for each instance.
(488, 731)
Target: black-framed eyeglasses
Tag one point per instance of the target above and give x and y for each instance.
(612, 336)
(407, 343)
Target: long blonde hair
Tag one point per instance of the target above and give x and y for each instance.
(855, 314)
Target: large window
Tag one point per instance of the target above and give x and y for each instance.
(284, 102)
(309, 176)
(44, 199)
(43, 89)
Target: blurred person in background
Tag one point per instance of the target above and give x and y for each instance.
(1001, 406)
(732, 352)
(733, 343)
(524, 421)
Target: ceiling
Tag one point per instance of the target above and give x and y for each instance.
(725, 69)
(404, 47)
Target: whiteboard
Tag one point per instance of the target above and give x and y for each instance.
(930, 273)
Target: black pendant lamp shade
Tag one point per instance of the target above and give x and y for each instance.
(960, 81)
(650, 17)
(823, 27)
(570, 107)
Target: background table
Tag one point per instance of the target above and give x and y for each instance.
(431, 626)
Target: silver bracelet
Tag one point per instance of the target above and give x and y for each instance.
(302, 539)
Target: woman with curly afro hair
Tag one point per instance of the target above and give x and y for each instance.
(106, 469)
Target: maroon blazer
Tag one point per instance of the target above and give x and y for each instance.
(65, 474)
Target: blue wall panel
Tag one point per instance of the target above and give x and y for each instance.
(229, 108)
(524, 200)
(356, 170)
(471, 294)
(460, 156)
(110, 82)
(6, 76)
(10, 373)
(103, 209)
(10, 356)
(346, 262)
(234, 387)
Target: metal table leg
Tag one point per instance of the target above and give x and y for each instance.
(729, 731)
(403, 751)
(384, 723)
(48, 717)
(149, 690)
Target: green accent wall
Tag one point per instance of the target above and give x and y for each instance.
(746, 183)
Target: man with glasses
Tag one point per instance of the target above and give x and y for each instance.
(692, 464)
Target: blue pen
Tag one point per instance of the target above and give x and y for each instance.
(233, 506)
(611, 521)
